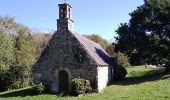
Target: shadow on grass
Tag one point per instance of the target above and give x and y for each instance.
(152, 75)
(18, 93)
(28, 92)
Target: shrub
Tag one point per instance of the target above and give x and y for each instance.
(80, 86)
(39, 88)
(119, 72)
(122, 59)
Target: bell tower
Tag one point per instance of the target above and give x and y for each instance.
(65, 21)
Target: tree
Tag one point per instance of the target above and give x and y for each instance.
(17, 54)
(147, 35)
(25, 58)
(40, 41)
(111, 50)
(121, 58)
(6, 50)
(7, 58)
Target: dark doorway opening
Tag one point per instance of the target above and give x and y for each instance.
(63, 81)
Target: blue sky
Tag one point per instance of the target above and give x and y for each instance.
(90, 16)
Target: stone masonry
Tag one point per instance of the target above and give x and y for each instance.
(57, 64)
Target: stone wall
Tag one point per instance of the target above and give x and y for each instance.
(59, 56)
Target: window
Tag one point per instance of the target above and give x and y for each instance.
(64, 13)
(69, 12)
(61, 13)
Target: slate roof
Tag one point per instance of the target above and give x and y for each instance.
(100, 56)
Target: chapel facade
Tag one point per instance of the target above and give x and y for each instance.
(70, 55)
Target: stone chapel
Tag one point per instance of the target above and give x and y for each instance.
(70, 55)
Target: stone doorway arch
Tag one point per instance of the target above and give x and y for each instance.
(63, 81)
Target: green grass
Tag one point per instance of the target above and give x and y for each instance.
(141, 84)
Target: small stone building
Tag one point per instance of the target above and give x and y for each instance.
(70, 55)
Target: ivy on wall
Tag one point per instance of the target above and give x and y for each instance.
(79, 54)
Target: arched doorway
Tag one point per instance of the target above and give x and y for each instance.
(63, 81)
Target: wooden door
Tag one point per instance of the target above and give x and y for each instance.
(63, 81)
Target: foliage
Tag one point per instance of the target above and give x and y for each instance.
(8, 24)
(80, 86)
(119, 72)
(7, 58)
(40, 41)
(122, 59)
(5, 80)
(146, 38)
(17, 53)
(25, 50)
(25, 58)
(79, 54)
(6, 50)
(111, 50)
(39, 88)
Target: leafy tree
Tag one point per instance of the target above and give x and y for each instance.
(111, 50)
(40, 41)
(9, 25)
(25, 58)
(146, 38)
(17, 53)
(7, 58)
(121, 58)
(6, 50)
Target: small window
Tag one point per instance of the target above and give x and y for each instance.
(61, 13)
(61, 10)
(69, 10)
(64, 13)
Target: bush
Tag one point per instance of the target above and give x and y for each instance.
(39, 88)
(119, 72)
(122, 59)
(80, 86)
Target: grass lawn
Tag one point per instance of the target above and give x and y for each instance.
(141, 84)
